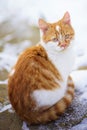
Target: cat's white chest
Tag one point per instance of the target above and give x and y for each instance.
(63, 61)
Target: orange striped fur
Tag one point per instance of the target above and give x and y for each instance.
(55, 111)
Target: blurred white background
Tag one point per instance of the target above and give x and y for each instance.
(52, 10)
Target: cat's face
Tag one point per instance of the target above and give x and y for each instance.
(60, 33)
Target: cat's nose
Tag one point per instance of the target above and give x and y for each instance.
(63, 45)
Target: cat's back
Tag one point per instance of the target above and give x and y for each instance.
(34, 61)
(28, 68)
(33, 71)
(32, 53)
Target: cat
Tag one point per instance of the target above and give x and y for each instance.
(39, 85)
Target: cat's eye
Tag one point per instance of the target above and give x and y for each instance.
(55, 39)
(66, 36)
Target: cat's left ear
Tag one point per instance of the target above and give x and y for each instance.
(43, 25)
(66, 18)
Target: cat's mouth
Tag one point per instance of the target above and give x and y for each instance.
(63, 45)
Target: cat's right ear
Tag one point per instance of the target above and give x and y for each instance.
(42, 25)
(66, 18)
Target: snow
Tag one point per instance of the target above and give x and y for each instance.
(9, 55)
(24, 126)
(80, 80)
(81, 62)
(5, 108)
(4, 82)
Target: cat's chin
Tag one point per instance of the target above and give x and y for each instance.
(60, 48)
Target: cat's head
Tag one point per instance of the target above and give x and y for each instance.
(57, 34)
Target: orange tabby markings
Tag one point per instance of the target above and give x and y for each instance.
(37, 86)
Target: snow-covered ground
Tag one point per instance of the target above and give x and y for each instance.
(51, 10)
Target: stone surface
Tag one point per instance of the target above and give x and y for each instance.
(81, 126)
(9, 121)
(69, 120)
(3, 93)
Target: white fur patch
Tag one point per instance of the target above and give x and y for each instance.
(63, 60)
(12, 72)
(57, 28)
(48, 97)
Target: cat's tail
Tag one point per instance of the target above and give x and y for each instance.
(55, 111)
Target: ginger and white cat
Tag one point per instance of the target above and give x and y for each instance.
(39, 86)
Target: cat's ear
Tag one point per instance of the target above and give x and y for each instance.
(66, 18)
(43, 25)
